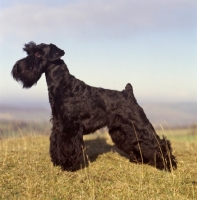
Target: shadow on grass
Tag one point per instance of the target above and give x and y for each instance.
(99, 146)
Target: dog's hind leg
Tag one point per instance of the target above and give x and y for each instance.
(126, 143)
(137, 144)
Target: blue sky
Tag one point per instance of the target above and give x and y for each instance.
(107, 43)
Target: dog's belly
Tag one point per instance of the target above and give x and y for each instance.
(93, 123)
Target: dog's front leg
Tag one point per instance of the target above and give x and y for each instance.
(55, 132)
(70, 145)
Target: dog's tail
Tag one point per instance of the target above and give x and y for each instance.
(129, 93)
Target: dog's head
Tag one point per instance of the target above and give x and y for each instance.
(29, 70)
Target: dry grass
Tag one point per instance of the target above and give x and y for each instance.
(27, 173)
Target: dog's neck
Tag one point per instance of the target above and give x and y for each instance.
(56, 73)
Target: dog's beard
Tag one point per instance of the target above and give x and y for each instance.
(28, 71)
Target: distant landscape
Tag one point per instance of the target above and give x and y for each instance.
(165, 114)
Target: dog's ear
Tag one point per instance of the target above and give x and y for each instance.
(55, 53)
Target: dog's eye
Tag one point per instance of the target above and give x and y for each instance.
(38, 54)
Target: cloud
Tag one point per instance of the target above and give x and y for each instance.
(98, 17)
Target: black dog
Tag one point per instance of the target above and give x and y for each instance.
(79, 109)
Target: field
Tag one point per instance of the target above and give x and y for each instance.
(27, 173)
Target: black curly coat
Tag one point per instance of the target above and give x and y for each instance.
(79, 109)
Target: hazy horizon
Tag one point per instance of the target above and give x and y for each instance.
(166, 114)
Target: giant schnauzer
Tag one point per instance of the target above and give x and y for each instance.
(79, 109)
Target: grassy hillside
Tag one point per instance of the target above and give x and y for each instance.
(27, 173)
